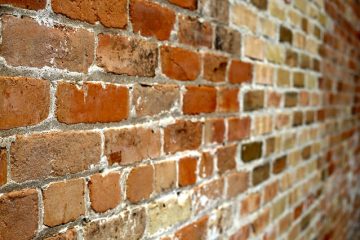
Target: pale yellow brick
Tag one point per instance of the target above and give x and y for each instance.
(254, 47)
(263, 125)
(311, 82)
(312, 46)
(289, 141)
(264, 74)
(275, 53)
(295, 18)
(301, 5)
(299, 40)
(294, 158)
(242, 16)
(268, 28)
(283, 78)
(277, 9)
(278, 207)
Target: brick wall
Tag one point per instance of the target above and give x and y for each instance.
(179, 119)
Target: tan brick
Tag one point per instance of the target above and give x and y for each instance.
(214, 131)
(276, 10)
(254, 100)
(242, 16)
(275, 53)
(165, 176)
(264, 74)
(263, 125)
(283, 79)
(226, 157)
(218, 10)
(261, 173)
(254, 47)
(206, 167)
(237, 182)
(194, 32)
(250, 203)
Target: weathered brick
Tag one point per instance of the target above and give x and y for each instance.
(261, 173)
(260, 223)
(63, 202)
(242, 234)
(240, 72)
(165, 176)
(263, 125)
(228, 100)
(3, 166)
(189, 4)
(124, 55)
(237, 182)
(19, 214)
(226, 158)
(215, 67)
(291, 99)
(24, 101)
(111, 13)
(194, 231)
(243, 16)
(299, 79)
(291, 58)
(270, 191)
(239, 128)
(200, 99)
(278, 207)
(264, 74)
(187, 171)
(129, 224)
(27, 4)
(180, 64)
(279, 164)
(206, 167)
(275, 53)
(283, 78)
(40, 46)
(260, 4)
(253, 100)
(194, 32)
(152, 100)
(139, 184)
(251, 151)
(207, 194)
(214, 131)
(104, 185)
(297, 118)
(182, 135)
(129, 145)
(91, 103)
(70, 234)
(218, 10)
(227, 40)
(151, 19)
(53, 154)
(254, 47)
(285, 35)
(250, 204)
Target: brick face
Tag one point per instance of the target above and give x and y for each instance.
(27, 4)
(139, 183)
(199, 100)
(194, 32)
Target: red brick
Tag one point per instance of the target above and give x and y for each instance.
(152, 100)
(182, 135)
(242, 234)
(24, 101)
(139, 184)
(279, 164)
(189, 4)
(226, 158)
(63, 202)
(151, 19)
(91, 103)
(101, 186)
(228, 100)
(195, 32)
(3, 166)
(125, 55)
(111, 13)
(207, 194)
(187, 171)
(215, 67)
(260, 223)
(270, 191)
(240, 72)
(27, 4)
(70, 234)
(130, 145)
(239, 128)
(237, 182)
(19, 214)
(180, 64)
(206, 167)
(40, 46)
(53, 154)
(200, 99)
(274, 99)
(214, 131)
(194, 231)
(165, 176)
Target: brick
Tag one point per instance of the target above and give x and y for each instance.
(254, 47)
(182, 135)
(151, 19)
(263, 125)
(53, 154)
(297, 119)
(228, 100)
(214, 68)
(277, 10)
(264, 74)
(61, 47)
(168, 211)
(24, 101)
(237, 182)
(206, 167)
(194, 32)
(260, 4)
(27, 4)
(278, 208)
(180, 64)
(3, 166)
(226, 158)
(70, 234)
(19, 214)
(187, 171)
(242, 16)
(261, 173)
(104, 185)
(242, 234)
(275, 53)
(270, 191)
(165, 176)
(240, 72)
(299, 79)
(251, 151)
(91, 103)
(139, 183)
(63, 202)
(111, 13)
(194, 231)
(283, 79)
(153, 100)
(188, 4)
(123, 55)
(291, 99)
(214, 131)
(130, 145)
(219, 10)
(268, 27)
(129, 224)
(227, 40)
(282, 121)
(207, 194)
(279, 164)
(200, 99)
(285, 35)
(253, 100)
(238, 128)
(250, 203)
(260, 223)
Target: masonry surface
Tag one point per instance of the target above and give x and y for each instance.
(179, 119)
